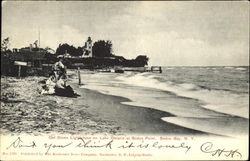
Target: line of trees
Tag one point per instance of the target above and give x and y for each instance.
(102, 51)
(100, 48)
(70, 49)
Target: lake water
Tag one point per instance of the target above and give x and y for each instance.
(210, 99)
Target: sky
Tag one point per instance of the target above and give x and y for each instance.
(170, 33)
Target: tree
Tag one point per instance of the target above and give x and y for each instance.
(5, 44)
(141, 60)
(102, 48)
(70, 49)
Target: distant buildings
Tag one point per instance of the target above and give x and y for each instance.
(34, 56)
(65, 55)
(31, 59)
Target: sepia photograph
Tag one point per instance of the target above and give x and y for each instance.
(124, 76)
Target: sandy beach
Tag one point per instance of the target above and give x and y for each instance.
(25, 110)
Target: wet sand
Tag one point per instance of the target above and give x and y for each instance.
(25, 110)
(129, 119)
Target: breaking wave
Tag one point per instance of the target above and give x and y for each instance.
(217, 100)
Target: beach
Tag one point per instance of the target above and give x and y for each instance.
(107, 105)
(26, 111)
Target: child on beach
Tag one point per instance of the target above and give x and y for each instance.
(50, 83)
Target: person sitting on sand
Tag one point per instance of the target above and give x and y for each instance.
(57, 79)
(49, 87)
(62, 89)
(61, 82)
(56, 84)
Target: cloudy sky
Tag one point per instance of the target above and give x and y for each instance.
(169, 33)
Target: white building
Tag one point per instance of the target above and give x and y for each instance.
(87, 48)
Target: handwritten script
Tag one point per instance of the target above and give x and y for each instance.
(207, 148)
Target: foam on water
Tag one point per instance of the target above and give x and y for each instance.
(240, 68)
(217, 100)
(228, 67)
(194, 105)
(156, 99)
(147, 95)
(235, 68)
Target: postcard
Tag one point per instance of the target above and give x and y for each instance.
(124, 80)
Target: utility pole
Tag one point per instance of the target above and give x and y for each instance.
(39, 39)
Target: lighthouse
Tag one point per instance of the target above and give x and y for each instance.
(87, 49)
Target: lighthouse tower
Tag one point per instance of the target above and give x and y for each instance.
(88, 48)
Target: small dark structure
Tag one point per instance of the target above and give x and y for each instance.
(25, 61)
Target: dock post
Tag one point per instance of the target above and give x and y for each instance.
(79, 75)
(160, 70)
(19, 71)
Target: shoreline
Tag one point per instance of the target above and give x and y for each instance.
(90, 113)
(131, 119)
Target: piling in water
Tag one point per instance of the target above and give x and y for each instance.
(79, 75)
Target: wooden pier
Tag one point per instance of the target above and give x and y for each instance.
(156, 69)
(144, 69)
